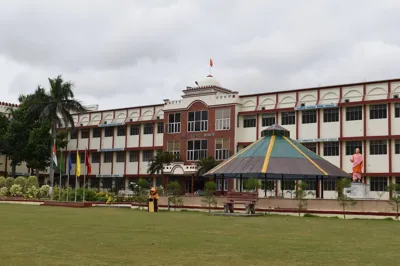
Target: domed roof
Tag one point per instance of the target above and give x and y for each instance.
(209, 81)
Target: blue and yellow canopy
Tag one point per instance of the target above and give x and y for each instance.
(274, 155)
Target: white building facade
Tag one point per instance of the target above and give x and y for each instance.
(210, 120)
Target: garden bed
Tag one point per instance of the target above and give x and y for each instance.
(67, 204)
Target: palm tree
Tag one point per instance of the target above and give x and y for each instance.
(156, 165)
(56, 106)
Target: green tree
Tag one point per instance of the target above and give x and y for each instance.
(209, 200)
(55, 106)
(141, 189)
(395, 200)
(206, 164)
(4, 124)
(174, 192)
(16, 139)
(252, 184)
(344, 201)
(301, 196)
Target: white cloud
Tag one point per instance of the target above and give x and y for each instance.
(126, 53)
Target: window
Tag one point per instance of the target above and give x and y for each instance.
(311, 184)
(73, 157)
(351, 147)
(197, 149)
(288, 185)
(288, 118)
(329, 184)
(82, 157)
(397, 147)
(249, 121)
(120, 157)
(109, 132)
(331, 149)
(148, 129)
(74, 134)
(121, 131)
(198, 121)
(107, 157)
(133, 156)
(377, 111)
(221, 149)
(268, 120)
(377, 147)
(85, 134)
(174, 147)
(379, 183)
(160, 128)
(223, 119)
(96, 133)
(219, 184)
(309, 116)
(331, 115)
(135, 129)
(397, 110)
(270, 185)
(95, 157)
(354, 113)
(147, 156)
(311, 146)
(174, 123)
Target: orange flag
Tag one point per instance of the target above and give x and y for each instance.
(211, 62)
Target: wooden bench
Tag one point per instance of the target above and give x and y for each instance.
(248, 199)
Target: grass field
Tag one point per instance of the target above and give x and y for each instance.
(32, 235)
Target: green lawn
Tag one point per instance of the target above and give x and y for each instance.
(32, 235)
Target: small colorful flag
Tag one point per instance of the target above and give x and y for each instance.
(62, 167)
(69, 163)
(211, 63)
(55, 154)
(78, 165)
(88, 165)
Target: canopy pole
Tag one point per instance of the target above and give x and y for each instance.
(223, 183)
(283, 195)
(317, 194)
(265, 185)
(241, 183)
(322, 186)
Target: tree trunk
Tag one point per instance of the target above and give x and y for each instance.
(13, 170)
(51, 170)
(37, 173)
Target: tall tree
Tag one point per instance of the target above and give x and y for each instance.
(55, 106)
(16, 138)
(156, 165)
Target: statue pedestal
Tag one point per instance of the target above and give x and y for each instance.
(358, 191)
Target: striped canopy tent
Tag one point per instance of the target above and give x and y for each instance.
(276, 156)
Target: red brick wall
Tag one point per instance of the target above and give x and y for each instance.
(185, 136)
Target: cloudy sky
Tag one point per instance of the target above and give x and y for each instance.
(128, 52)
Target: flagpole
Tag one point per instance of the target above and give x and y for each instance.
(84, 176)
(59, 188)
(68, 174)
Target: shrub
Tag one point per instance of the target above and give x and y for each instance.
(32, 192)
(44, 191)
(68, 191)
(3, 192)
(174, 192)
(252, 184)
(2, 181)
(90, 195)
(16, 190)
(9, 182)
(31, 181)
(209, 199)
(20, 181)
(56, 193)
